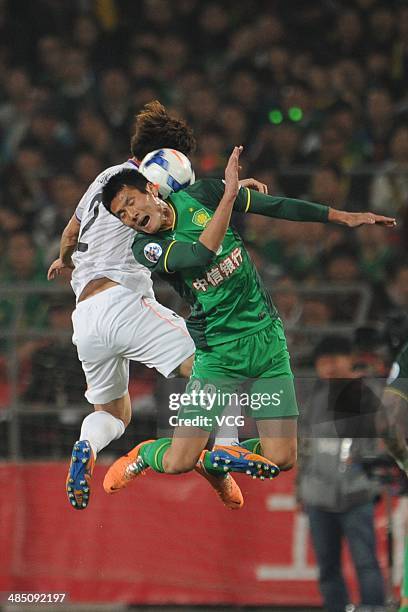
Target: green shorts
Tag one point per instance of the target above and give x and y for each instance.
(253, 371)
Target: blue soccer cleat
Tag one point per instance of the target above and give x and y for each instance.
(239, 459)
(80, 474)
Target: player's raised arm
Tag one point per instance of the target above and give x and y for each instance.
(215, 231)
(68, 244)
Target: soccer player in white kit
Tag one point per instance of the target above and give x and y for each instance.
(117, 317)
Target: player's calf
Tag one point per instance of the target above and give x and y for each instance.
(284, 458)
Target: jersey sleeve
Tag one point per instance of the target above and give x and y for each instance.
(79, 211)
(210, 191)
(398, 378)
(165, 255)
(285, 208)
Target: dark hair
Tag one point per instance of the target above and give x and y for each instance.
(155, 129)
(332, 345)
(124, 178)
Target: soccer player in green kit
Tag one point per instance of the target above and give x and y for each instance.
(395, 403)
(235, 326)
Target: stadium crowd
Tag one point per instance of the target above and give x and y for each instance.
(316, 92)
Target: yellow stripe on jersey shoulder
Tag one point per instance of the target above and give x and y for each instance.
(166, 256)
(248, 202)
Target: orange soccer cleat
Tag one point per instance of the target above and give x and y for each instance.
(125, 469)
(224, 485)
(78, 483)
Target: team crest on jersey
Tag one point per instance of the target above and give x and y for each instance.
(201, 217)
(153, 251)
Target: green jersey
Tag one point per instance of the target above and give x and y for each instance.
(226, 294)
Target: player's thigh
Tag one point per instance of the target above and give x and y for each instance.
(186, 447)
(279, 441)
(158, 338)
(107, 380)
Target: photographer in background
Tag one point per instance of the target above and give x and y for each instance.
(393, 426)
(333, 487)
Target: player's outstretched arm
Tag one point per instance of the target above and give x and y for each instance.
(302, 210)
(355, 219)
(68, 244)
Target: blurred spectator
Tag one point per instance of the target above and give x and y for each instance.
(349, 35)
(379, 122)
(375, 252)
(396, 287)
(315, 312)
(48, 382)
(341, 270)
(77, 83)
(114, 106)
(94, 135)
(23, 264)
(50, 54)
(86, 167)
(328, 185)
(278, 146)
(64, 193)
(334, 489)
(51, 136)
(382, 28)
(389, 194)
(15, 112)
(303, 256)
(287, 300)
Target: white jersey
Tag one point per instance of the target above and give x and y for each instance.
(104, 243)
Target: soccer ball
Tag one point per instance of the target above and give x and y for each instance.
(169, 169)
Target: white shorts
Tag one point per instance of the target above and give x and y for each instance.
(118, 325)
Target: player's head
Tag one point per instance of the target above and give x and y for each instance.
(130, 197)
(155, 129)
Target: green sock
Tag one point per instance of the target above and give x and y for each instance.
(209, 468)
(152, 453)
(253, 445)
(403, 609)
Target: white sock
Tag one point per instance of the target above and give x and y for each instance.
(100, 428)
(220, 441)
(227, 434)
